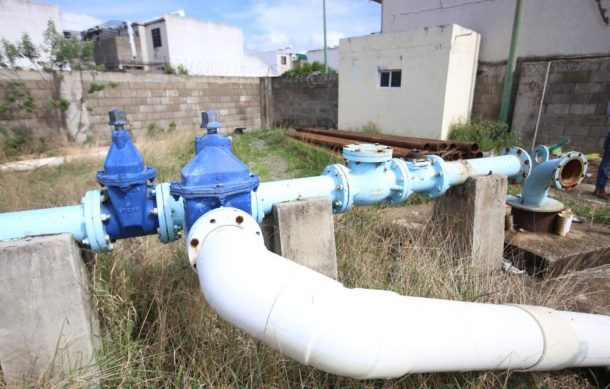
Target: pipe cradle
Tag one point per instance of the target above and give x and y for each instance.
(364, 333)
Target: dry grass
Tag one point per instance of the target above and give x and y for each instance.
(159, 332)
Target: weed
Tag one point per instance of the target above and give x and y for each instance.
(488, 135)
(154, 130)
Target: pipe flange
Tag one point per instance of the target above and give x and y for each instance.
(401, 191)
(524, 159)
(540, 154)
(547, 205)
(213, 220)
(170, 213)
(367, 152)
(97, 238)
(343, 196)
(570, 170)
(440, 177)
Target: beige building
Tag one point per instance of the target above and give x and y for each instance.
(411, 83)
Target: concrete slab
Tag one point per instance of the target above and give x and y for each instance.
(47, 328)
(304, 232)
(473, 217)
(586, 246)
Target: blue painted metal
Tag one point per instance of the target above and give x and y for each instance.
(129, 199)
(562, 173)
(214, 177)
(372, 176)
(170, 213)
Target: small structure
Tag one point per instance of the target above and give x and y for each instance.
(411, 83)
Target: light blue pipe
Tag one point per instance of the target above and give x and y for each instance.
(561, 173)
(372, 176)
(44, 222)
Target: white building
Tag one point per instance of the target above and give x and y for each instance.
(277, 61)
(202, 47)
(411, 83)
(548, 27)
(332, 56)
(19, 16)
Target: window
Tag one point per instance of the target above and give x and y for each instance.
(390, 78)
(156, 37)
(283, 60)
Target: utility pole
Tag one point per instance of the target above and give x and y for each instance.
(511, 63)
(324, 16)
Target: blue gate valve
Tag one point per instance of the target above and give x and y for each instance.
(214, 177)
(128, 201)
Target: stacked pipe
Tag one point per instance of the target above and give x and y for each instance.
(448, 150)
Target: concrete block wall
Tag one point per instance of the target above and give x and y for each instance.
(488, 92)
(305, 101)
(44, 120)
(162, 99)
(575, 102)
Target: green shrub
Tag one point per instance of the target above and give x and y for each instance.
(489, 135)
(172, 126)
(308, 68)
(154, 130)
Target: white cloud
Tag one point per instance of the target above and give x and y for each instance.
(78, 22)
(278, 23)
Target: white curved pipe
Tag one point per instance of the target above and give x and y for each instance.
(363, 333)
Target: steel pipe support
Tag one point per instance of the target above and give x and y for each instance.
(364, 333)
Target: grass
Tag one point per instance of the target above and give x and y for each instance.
(159, 332)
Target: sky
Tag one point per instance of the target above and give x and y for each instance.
(266, 24)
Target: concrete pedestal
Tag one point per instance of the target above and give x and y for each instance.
(473, 217)
(303, 231)
(47, 328)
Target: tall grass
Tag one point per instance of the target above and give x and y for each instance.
(157, 330)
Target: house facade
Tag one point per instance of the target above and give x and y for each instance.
(198, 46)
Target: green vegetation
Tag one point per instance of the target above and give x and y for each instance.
(18, 103)
(157, 330)
(309, 68)
(99, 86)
(489, 135)
(180, 69)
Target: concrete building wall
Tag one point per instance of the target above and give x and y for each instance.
(277, 61)
(304, 102)
(19, 16)
(332, 56)
(209, 48)
(438, 69)
(549, 27)
(159, 55)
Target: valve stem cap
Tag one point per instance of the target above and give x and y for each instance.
(117, 117)
(210, 120)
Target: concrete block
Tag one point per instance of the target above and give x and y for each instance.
(47, 328)
(304, 232)
(586, 246)
(473, 217)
